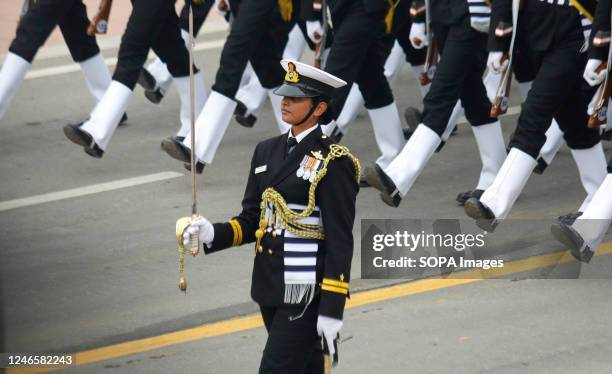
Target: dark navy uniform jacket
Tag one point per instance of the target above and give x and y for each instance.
(335, 196)
(543, 24)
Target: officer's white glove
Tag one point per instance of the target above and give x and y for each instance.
(494, 62)
(417, 36)
(590, 72)
(314, 31)
(329, 328)
(221, 7)
(481, 25)
(205, 229)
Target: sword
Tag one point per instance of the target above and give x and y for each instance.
(600, 109)
(502, 96)
(330, 361)
(184, 222)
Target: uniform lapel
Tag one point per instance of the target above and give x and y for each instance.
(277, 158)
(292, 162)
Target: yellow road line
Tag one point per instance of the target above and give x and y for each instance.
(253, 321)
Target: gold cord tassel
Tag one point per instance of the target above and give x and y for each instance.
(389, 16)
(286, 9)
(289, 218)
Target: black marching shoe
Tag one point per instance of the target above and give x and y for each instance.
(336, 135)
(443, 142)
(177, 138)
(123, 119)
(241, 117)
(541, 166)
(407, 133)
(199, 166)
(462, 197)
(174, 147)
(148, 82)
(569, 218)
(363, 181)
(413, 118)
(485, 219)
(571, 238)
(154, 96)
(80, 137)
(377, 178)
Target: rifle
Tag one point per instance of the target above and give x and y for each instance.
(502, 95)
(222, 6)
(99, 24)
(431, 62)
(600, 109)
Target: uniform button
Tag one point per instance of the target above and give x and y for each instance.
(269, 251)
(260, 249)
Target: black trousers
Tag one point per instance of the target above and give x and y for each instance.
(358, 54)
(40, 20)
(462, 63)
(293, 347)
(559, 92)
(200, 12)
(258, 35)
(523, 60)
(152, 24)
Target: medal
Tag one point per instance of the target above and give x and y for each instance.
(300, 171)
(308, 168)
(315, 171)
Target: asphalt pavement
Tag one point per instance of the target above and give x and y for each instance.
(99, 266)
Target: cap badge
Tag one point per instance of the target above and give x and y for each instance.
(292, 75)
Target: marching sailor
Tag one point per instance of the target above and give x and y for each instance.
(153, 24)
(258, 35)
(38, 20)
(251, 96)
(589, 229)
(155, 78)
(587, 232)
(398, 50)
(554, 34)
(460, 32)
(357, 55)
(299, 209)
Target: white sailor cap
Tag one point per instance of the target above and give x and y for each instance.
(302, 80)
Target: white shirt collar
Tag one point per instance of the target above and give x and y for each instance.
(303, 134)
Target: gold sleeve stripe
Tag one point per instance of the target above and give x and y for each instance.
(237, 230)
(326, 287)
(234, 232)
(335, 283)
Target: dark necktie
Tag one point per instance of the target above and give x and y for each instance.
(291, 143)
